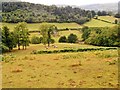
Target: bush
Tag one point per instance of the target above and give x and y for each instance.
(103, 37)
(36, 40)
(52, 41)
(72, 38)
(86, 33)
(3, 48)
(63, 39)
(116, 21)
(72, 50)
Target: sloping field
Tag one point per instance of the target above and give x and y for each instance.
(98, 23)
(108, 18)
(35, 26)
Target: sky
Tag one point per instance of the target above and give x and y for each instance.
(71, 2)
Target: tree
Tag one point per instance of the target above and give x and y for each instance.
(116, 21)
(35, 40)
(93, 13)
(8, 38)
(105, 37)
(117, 15)
(63, 39)
(86, 33)
(46, 30)
(90, 15)
(72, 38)
(22, 35)
(51, 28)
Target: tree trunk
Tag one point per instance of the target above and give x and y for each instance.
(48, 43)
(23, 47)
(18, 47)
(49, 37)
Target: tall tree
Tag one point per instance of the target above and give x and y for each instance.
(8, 38)
(46, 31)
(22, 35)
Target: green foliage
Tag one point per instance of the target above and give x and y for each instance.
(22, 35)
(72, 38)
(14, 12)
(52, 41)
(63, 39)
(102, 36)
(117, 15)
(36, 40)
(8, 38)
(72, 50)
(116, 21)
(102, 13)
(86, 32)
(3, 48)
(46, 30)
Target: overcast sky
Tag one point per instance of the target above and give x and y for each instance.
(70, 2)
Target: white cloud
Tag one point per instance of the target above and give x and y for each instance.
(70, 2)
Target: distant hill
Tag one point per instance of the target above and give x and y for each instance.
(102, 7)
(13, 12)
(9, 1)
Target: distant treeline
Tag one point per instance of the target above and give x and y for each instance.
(14, 12)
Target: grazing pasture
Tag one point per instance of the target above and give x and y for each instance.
(35, 26)
(108, 18)
(98, 23)
(89, 69)
(65, 70)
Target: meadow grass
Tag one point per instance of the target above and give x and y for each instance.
(35, 26)
(90, 69)
(59, 34)
(98, 23)
(108, 18)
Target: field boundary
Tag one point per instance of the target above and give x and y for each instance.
(70, 50)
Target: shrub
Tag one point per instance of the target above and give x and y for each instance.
(52, 41)
(101, 36)
(71, 50)
(36, 40)
(72, 38)
(116, 21)
(63, 39)
(3, 48)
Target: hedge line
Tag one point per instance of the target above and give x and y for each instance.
(105, 21)
(71, 50)
(65, 29)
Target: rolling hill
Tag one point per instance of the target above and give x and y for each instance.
(102, 7)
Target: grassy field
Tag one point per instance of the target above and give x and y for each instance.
(61, 33)
(35, 26)
(90, 69)
(64, 70)
(98, 23)
(108, 18)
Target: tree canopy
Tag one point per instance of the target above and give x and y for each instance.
(14, 12)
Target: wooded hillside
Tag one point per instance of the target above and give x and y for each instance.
(14, 12)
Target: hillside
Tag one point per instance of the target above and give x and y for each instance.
(14, 12)
(98, 23)
(102, 7)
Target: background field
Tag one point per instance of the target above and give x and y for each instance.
(35, 26)
(98, 23)
(92, 23)
(60, 33)
(108, 18)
